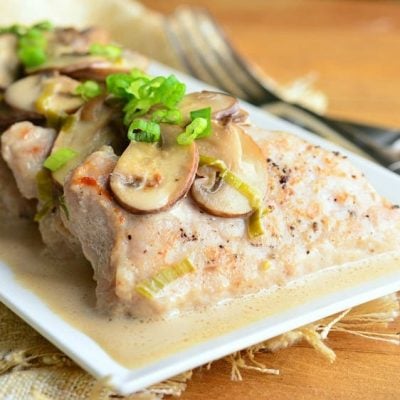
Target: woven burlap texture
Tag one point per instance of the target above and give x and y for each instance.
(32, 368)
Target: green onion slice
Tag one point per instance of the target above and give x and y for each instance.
(149, 288)
(135, 108)
(118, 84)
(206, 114)
(88, 89)
(21, 30)
(140, 93)
(193, 131)
(173, 116)
(59, 158)
(109, 51)
(141, 130)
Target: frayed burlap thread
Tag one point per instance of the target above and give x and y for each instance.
(369, 321)
(33, 369)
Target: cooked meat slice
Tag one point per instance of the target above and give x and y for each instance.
(9, 62)
(12, 204)
(324, 213)
(97, 236)
(24, 147)
(58, 239)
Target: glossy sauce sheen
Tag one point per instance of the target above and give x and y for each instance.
(68, 289)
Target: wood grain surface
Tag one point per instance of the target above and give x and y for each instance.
(354, 48)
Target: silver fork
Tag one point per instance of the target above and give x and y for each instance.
(206, 53)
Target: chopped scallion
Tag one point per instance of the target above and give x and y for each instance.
(173, 116)
(88, 89)
(135, 108)
(32, 42)
(140, 93)
(206, 114)
(118, 84)
(109, 51)
(59, 158)
(193, 131)
(141, 130)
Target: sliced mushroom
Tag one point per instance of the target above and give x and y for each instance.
(23, 93)
(71, 40)
(9, 62)
(224, 143)
(223, 106)
(44, 94)
(245, 162)
(150, 177)
(86, 66)
(98, 71)
(84, 132)
(67, 63)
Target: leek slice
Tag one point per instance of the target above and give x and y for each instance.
(255, 227)
(232, 179)
(150, 287)
(44, 106)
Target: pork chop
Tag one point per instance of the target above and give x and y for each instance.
(24, 147)
(324, 213)
(12, 204)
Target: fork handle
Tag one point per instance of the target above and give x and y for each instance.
(373, 142)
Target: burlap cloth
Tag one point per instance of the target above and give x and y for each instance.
(31, 367)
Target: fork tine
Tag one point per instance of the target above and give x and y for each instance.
(226, 53)
(176, 33)
(196, 53)
(206, 54)
(225, 61)
(182, 26)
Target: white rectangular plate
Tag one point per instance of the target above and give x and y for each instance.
(87, 353)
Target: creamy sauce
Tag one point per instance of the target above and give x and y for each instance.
(68, 290)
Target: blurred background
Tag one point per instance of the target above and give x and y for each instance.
(350, 48)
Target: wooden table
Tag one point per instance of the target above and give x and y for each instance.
(354, 47)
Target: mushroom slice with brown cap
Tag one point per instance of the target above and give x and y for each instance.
(223, 106)
(230, 182)
(44, 94)
(100, 70)
(84, 132)
(68, 63)
(87, 66)
(71, 40)
(150, 177)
